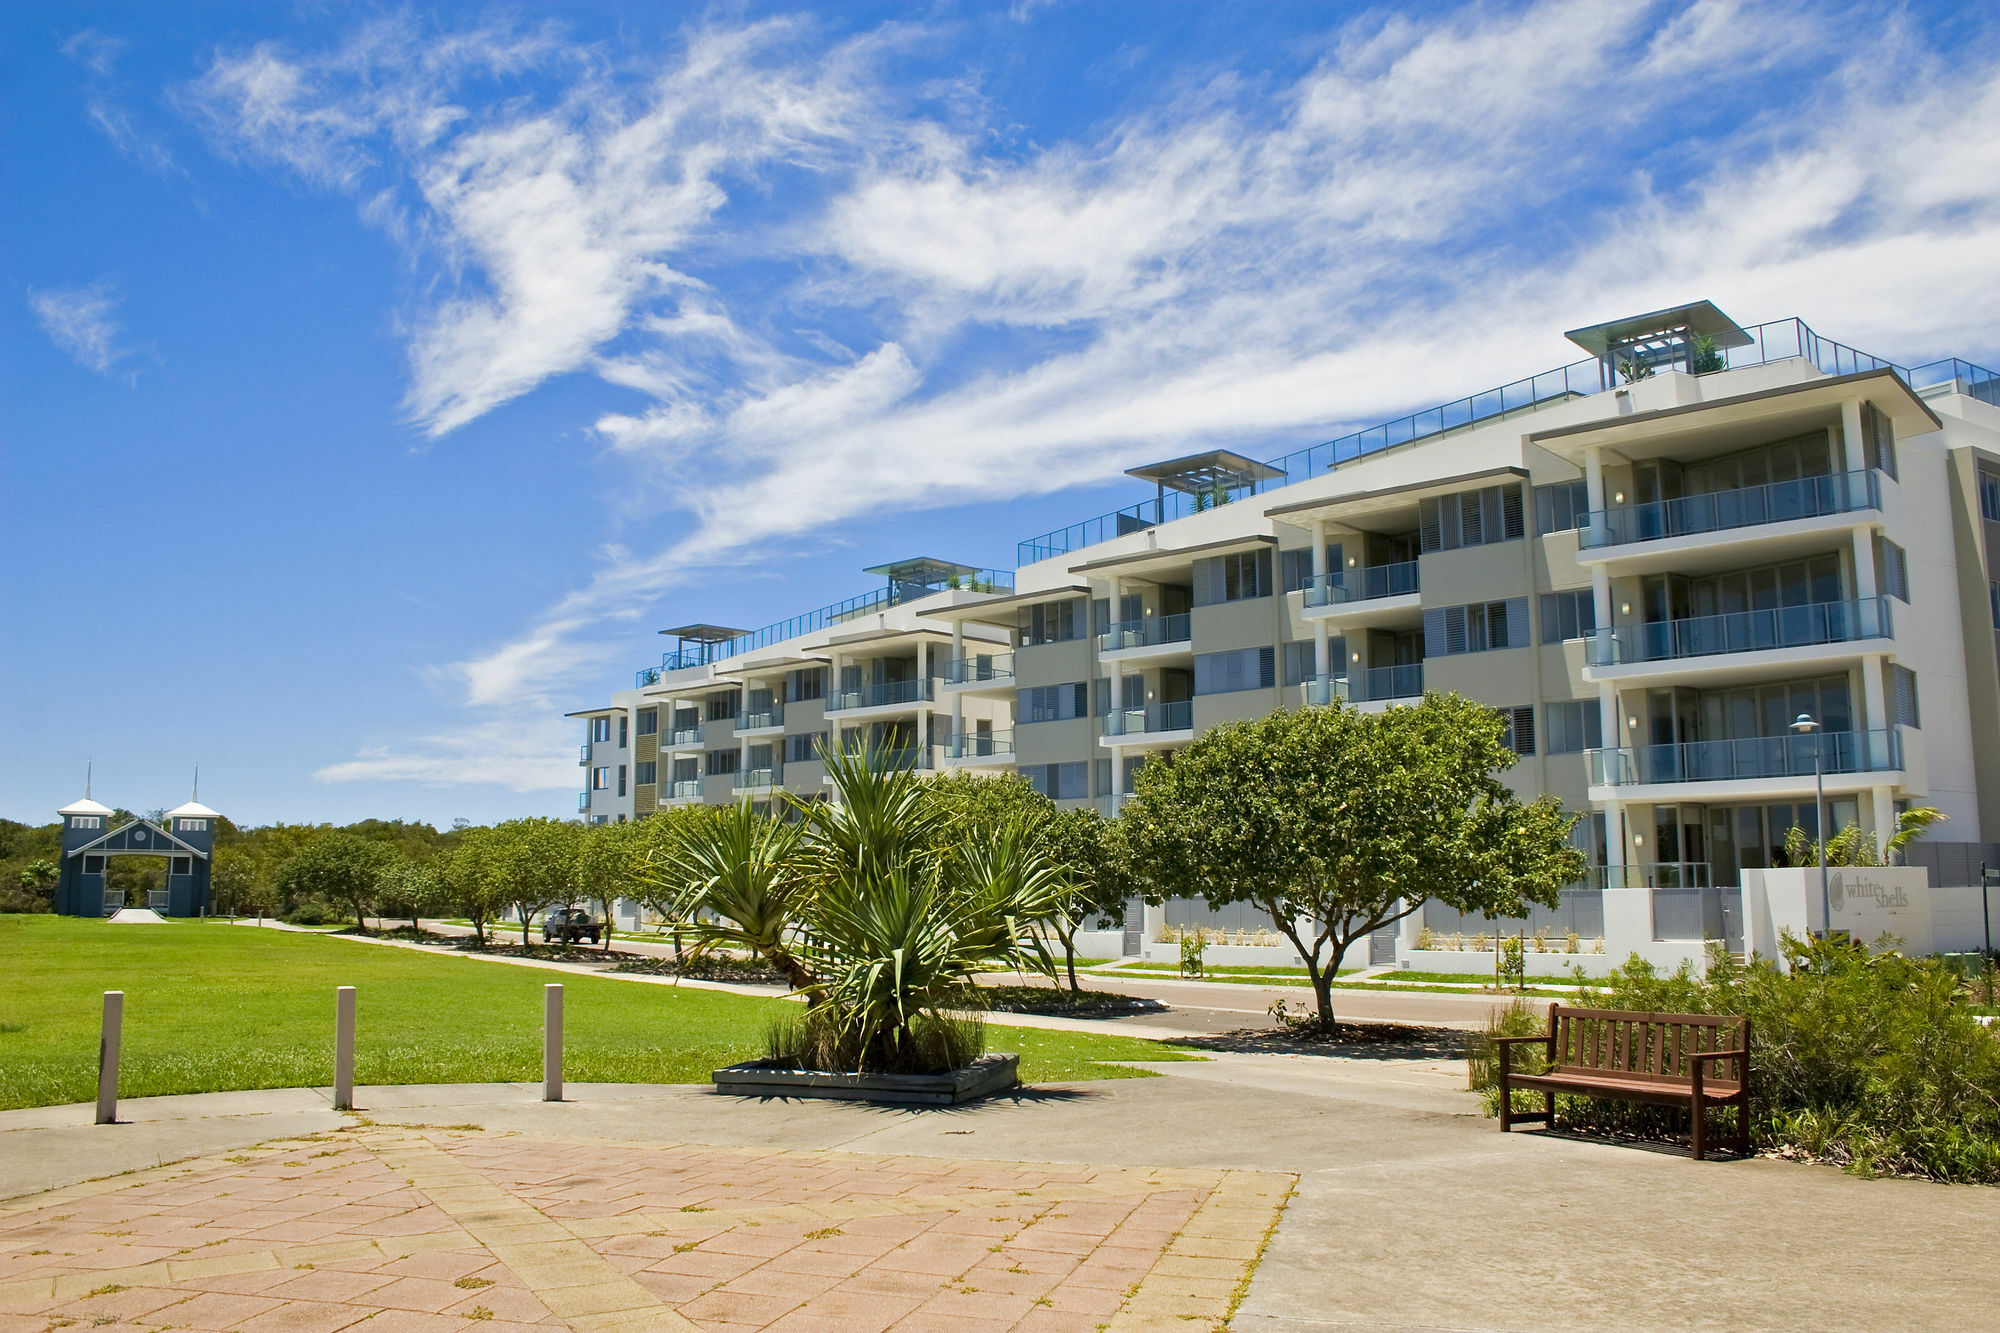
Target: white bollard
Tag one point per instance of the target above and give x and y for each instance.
(552, 1079)
(343, 1048)
(110, 1037)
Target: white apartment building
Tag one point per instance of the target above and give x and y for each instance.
(1652, 561)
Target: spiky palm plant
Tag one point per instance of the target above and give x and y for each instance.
(732, 878)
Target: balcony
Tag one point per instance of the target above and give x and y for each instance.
(1108, 804)
(684, 737)
(1728, 511)
(1755, 757)
(583, 755)
(1390, 682)
(687, 789)
(1163, 634)
(1813, 625)
(917, 758)
(1362, 585)
(764, 719)
(752, 780)
(1650, 875)
(981, 669)
(582, 801)
(981, 747)
(1152, 721)
(885, 694)
(645, 676)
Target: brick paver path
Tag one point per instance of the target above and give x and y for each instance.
(416, 1230)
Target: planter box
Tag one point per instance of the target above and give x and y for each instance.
(982, 1078)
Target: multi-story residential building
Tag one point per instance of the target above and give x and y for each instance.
(1654, 562)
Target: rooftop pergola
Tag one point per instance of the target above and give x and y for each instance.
(1204, 474)
(703, 637)
(1659, 338)
(921, 574)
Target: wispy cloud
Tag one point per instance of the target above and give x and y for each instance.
(98, 54)
(82, 322)
(835, 296)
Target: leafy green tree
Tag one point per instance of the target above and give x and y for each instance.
(338, 868)
(40, 875)
(534, 865)
(602, 865)
(407, 888)
(233, 880)
(469, 879)
(1337, 823)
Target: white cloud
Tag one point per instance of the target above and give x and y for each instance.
(81, 321)
(98, 55)
(828, 303)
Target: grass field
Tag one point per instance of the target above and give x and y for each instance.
(210, 1007)
(1470, 978)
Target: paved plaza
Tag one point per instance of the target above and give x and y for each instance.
(1351, 1192)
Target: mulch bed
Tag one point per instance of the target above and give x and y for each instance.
(1389, 1041)
(1049, 1002)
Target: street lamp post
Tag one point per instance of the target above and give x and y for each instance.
(1807, 726)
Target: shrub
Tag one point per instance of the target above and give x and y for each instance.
(807, 1038)
(313, 912)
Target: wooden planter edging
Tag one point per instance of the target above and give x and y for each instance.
(982, 1078)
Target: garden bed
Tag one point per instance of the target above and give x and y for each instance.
(1050, 1001)
(982, 1078)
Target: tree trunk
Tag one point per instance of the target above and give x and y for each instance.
(1069, 955)
(527, 917)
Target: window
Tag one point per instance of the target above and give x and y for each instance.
(1993, 596)
(1573, 728)
(1989, 496)
(1052, 622)
(1053, 703)
(600, 779)
(1103, 768)
(808, 683)
(1520, 737)
(1300, 664)
(624, 731)
(1059, 782)
(687, 770)
(183, 865)
(804, 746)
(1568, 615)
(93, 865)
(649, 721)
(1892, 569)
(86, 821)
(1477, 628)
(1470, 518)
(1878, 441)
(1903, 689)
(1237, 577)
(722, 761)
(191, 826)
(600, 728)
(723, 705)
(1562, 507)
(621, 779)
(1237, 669)
(646, 772)
(1295, 567)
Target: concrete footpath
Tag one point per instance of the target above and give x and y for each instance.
(1407, 1209)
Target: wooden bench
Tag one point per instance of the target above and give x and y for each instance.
(1691, 1060)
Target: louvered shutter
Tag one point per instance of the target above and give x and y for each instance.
(1524, 729)
(1430, 524)
(1207, 574)
(1517, 622)
(1267, 667)
(1434, 632)
(1264, 583)
(1511, 521)
(1470, 531)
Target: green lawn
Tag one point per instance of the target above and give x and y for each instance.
(210, 1006)
(1473, 978)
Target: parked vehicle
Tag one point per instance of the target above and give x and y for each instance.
(570, 925)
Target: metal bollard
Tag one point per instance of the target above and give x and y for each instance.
(110, 1037)
(552, 1073)
(343, 1048)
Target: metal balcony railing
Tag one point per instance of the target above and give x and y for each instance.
(979, 668)
(684, 736)
(1650, 875)
(1788, 756)
(583, 755)
(685, 789)
(1147, 633)
(1724, 511)
(981, 745)
(1744, 632)
(1361, 585)
(880, 695)
(582, 801)
(773, 716)
(1152, 718)
(1319, 691)
(1389, 682)
(758, 779)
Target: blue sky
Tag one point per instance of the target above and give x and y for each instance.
(375, 381)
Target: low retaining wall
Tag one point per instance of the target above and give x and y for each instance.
(1481, 962)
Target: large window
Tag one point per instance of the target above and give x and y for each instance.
(649, 721)
(646, 772)
(1237, 669)
(600, 779)
(1476, 628)
(1059, 782)
(1470, 518)
(1237, 577)
(1053, 703)
(1572, 728)
(1568, 615)
(808, 683)
(1301, 664)
(722, 761)
(804, 746)
(722, 705)
(1295, 567)
(1052, 622)
(1989, 496)
(1520, 720)
(1561, 507)
(600, 729)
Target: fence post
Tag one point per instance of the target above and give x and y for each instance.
(110, 1037)
(343, 1048)
(552, 1042)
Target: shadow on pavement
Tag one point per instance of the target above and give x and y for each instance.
(1351, 1041)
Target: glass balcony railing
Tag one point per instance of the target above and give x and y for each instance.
(1389, 682)
(1788, 756)
(981, 745)
(757, 779)
(1361, 585)
(1319, 691)
(1651, 875)
(582, 801)
(685, 736)
(1152, 718)
(686, 789)
(880, 695)
(1722, 511)
(583, 754)
(763, 717)
(1107, 805)
(1743, 632)
(979, 668)
(645, 676)
(1147, 633)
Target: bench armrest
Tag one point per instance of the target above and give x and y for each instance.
(1717, 1055)
(1515, 1041)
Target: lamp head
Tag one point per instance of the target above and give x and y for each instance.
(1805, 724)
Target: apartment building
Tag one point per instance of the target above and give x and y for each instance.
(1653, 562)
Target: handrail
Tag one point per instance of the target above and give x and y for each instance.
(1726, 511)
(1362, 585)
(880, 694)
(1743, 632)
(1175, 716)
(978, 668)
(980, 745)
(1150, 632)
(1787, 756)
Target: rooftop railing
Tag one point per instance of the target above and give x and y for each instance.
(1788, 756)
(1361, 585)
(1725, 511)
(1782, 340)
(1150, 632)
(1743, 632)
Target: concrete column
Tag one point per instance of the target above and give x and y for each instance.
(1875, 704)
(1884, 817)
(1322, 666)
(110, 1041)
(1610, 726)
(957, 700)
(1319, 549)
(552, 1043)
(1851, 450)
(1614, 840)
(1593, 476)
(1600, 597)
(343, 1048)
(1864, 563)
